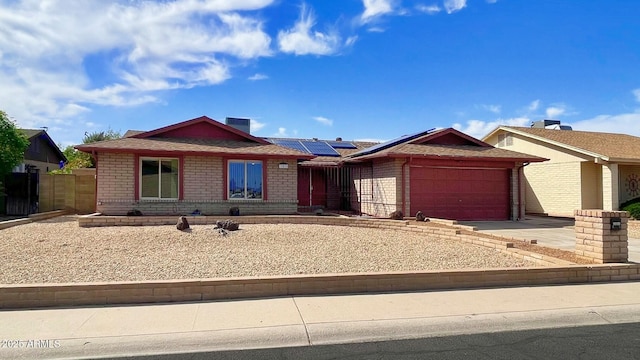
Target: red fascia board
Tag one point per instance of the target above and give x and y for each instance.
(195, 121)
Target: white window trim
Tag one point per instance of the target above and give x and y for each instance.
(245, 198)
(159, 159)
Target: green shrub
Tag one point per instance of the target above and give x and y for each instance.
(634, 210)
(629, 202)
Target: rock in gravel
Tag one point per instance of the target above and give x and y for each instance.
(182, 224)
(229, 225)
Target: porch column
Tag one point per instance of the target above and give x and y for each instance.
(515, 193)
(610, 187)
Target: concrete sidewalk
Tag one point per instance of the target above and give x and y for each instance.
(308, 320)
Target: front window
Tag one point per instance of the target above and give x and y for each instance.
(159, 178)
(245, 179)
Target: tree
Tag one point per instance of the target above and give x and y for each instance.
(78, 159)
(13, 144)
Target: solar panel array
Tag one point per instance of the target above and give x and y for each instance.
(314, 147)
(341, 145)
(390, 143)
(320, 148)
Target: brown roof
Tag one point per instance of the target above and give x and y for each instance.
(193, 146)
(468, 148)
(612, 146)
(462, 151)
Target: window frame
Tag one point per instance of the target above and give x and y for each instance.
(159, 159)
(246, 179)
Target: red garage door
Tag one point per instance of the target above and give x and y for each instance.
(459, 193)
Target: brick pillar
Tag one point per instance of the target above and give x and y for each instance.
(595, 241)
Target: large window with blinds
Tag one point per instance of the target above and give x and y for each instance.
(245, 179)
(159, 178)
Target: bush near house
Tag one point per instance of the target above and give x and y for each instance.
(633, 207)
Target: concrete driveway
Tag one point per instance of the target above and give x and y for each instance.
(548, 231)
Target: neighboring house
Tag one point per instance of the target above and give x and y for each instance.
(42, 155)
(587, 170)
(205, 165)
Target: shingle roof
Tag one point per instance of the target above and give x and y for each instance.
(31, 132)
(474, 149)
(609, 145)
(462, 151)
(200, 146)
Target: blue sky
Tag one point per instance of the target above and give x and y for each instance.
(358, 69)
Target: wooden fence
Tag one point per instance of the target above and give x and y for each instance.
(73, 192)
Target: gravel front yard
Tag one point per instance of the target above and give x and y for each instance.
(57, 250)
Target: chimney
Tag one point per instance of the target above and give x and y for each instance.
(241, 124)
(338, 139)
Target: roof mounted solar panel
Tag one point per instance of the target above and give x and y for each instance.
(320, 148)
(341, 145)
(390, 143)
(292, 144)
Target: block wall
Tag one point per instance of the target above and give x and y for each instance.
(596, 241)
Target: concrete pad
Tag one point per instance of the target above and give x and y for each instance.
(463, 302)
(240, 314)
(548, 231)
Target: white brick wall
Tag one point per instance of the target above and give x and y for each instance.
(203, 188)
(115, 175)
(203, 178)
(379, 189)
(553, 188)
(282, 183)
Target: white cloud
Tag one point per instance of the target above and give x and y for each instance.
(493, 108)
(323, 120)
(451, 6)
(636, 93)
(258, 76)
(535, 104)
(553, 112)
(376, 29)
(302, 40)
(428, 9)
(256, 125)
(350, 41)
(628, 123)
(479, 128)
(375, 8)
(142, 47)
(282, 132)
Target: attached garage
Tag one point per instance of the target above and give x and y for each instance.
(460, 193)
(445, 174)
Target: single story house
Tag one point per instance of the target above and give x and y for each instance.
(42, 155)
(204, 165)
(586, 170)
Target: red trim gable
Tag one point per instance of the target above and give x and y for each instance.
(202, 127)
(449, 136)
